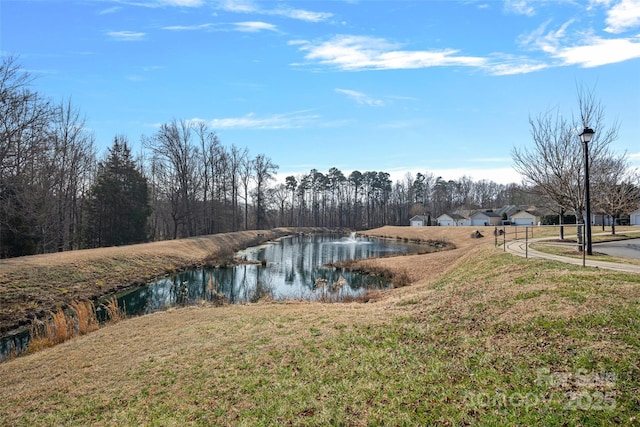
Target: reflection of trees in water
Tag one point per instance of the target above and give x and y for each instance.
(13, 345)
(293, 265)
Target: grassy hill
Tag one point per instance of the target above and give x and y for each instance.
(480, 338)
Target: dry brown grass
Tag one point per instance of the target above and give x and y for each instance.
(56, 330)
(421, 268)
(61, 326)
(85, 314)
(114, 312)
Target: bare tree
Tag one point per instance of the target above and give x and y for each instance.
(210, 153)
(554, 165)
(264, 169)
(239, 172)
(178, 162)
(616, 188)
(245, 169)
(72, 160)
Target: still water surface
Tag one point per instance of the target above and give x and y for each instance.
(291, 267)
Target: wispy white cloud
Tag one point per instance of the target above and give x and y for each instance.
(520, 7)
(110, 10)
(361, 98)
(254, 26)
(246, 6)
(126, 35)
(188, 27)
(355, 53)
(561, 46)
(597, 51)
(516, 66)
(302, 15)
(239, 6)
(245, 27)
(294, 120)
(163, 3)
(564, 47)
(623, 16)
(182, 3)
(545, 40)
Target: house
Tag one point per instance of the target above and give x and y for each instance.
(480, 218)
(634, 217)
(419, 221)
(525, 217)
(600, 218)
(508, 210)
(452, 219)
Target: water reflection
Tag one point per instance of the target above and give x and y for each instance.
(289, 268)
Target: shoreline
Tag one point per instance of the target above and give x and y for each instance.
(92, 274)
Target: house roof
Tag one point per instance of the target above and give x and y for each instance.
(526, 213)
(487, 214)
(453, 216)
(419, 217)
(511, 210)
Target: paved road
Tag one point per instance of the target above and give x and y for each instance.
(518, 247)
(622, 248)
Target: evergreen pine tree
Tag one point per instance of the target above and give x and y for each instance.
(118, 204)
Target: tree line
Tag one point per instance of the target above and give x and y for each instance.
(370, 199)
(57, 194)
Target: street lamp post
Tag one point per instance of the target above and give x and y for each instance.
(585, 137)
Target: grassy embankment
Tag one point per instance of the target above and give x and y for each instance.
(481, 337)
(34, 286)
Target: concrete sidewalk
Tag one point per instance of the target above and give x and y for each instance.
(518, 247)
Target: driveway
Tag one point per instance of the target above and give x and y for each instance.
(622, 248)
(519, 247)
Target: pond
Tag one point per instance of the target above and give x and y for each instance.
(292, 267)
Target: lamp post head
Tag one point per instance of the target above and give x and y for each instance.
(586, 135)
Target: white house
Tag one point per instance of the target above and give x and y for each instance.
(419, 221)
(452, 219)
(480, 218)
(634, 217)
(525, 218)
(600, 218)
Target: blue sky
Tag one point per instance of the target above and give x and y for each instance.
(445, 87)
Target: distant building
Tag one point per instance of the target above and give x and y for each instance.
(600, 218)
(419, 221)
(527, 217)
(452, 219)
(480, 218)
(634, 217)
